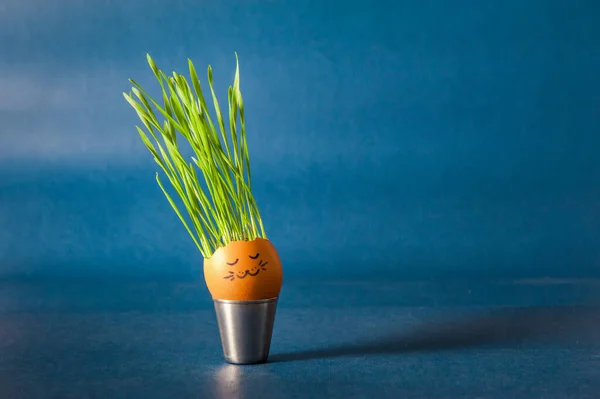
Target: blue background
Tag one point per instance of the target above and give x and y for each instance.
(389, 139)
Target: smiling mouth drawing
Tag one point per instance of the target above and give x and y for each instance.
(246, 273)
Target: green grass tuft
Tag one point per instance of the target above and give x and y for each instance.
(223, 210)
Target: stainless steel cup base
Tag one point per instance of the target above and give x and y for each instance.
(246, 328)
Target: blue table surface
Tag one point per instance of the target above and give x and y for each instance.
(332, 339)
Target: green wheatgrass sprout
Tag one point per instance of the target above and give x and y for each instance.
(225, 210)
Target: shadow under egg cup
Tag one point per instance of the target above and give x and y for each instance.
(246, 328)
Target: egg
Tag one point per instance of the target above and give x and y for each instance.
(244, 271)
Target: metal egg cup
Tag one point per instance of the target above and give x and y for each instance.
(246, 328)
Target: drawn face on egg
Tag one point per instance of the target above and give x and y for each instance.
(248, 267)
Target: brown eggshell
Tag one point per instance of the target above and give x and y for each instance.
(244, 271)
